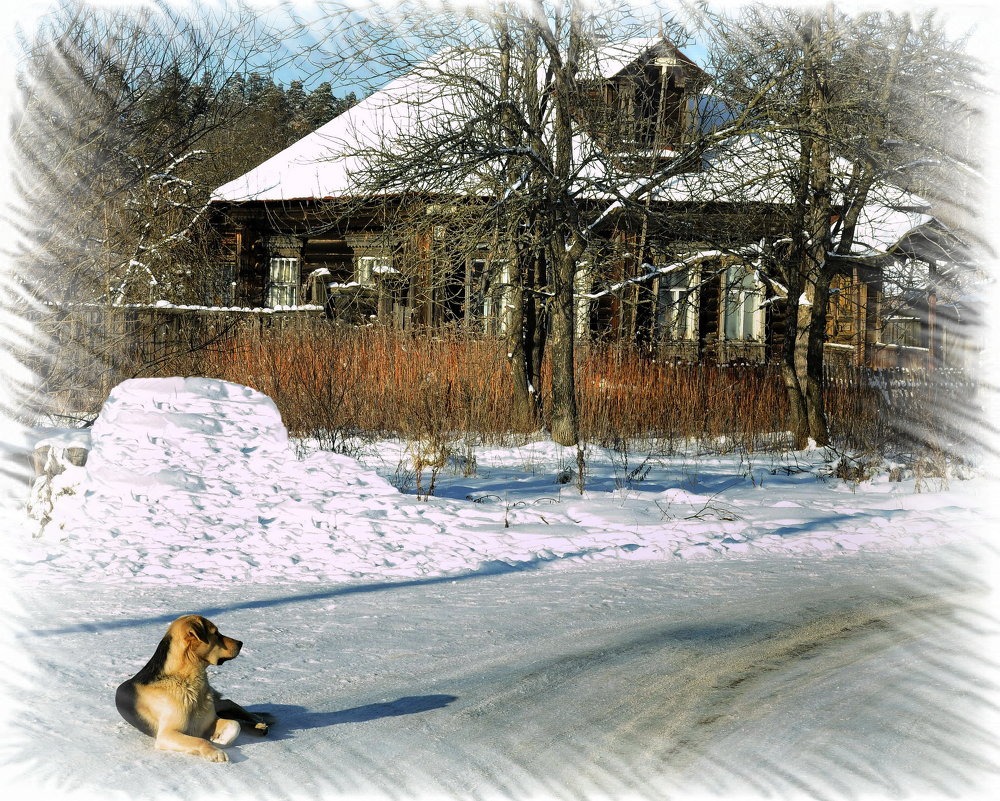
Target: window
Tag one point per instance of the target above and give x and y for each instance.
(283, 283)
(903, 330)
(316, 286)
(677, 306)
(489, 285)
(478, 288)
(744, 318)
(368, 268)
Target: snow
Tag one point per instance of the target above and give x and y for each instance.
(194, 497)
(322, 164)
(194, 480)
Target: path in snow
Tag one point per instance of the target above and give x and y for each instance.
(807, 677)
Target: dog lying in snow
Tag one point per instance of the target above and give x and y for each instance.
(170, 698)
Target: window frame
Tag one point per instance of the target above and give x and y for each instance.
(681, 305)
(283, 282)
(742, 304)
(369, 266)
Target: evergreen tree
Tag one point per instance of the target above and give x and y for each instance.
(296, 98)
(320, 107)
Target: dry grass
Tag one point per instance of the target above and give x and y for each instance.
(625, 396)
(446, 389)
(333, 383)
(425, 387)
(917, 415)
(376, 380)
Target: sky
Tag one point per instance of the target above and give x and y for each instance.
(963, 17)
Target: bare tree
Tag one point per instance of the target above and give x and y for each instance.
(112, 137)
(496, 112)
(116, 108)
(857, 110)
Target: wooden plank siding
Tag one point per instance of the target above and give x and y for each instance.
(429, 288)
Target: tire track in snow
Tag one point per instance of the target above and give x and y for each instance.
(707, 720)
(625, 711)
(718, 691)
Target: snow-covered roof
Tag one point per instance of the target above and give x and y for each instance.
(882, 226)
(320, 164)
(323, 164)
(613, 57)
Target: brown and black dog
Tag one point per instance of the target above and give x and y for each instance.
(170, 698)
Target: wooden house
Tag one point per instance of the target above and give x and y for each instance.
(296, 232)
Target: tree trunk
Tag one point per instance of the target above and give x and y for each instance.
(819, 430)
(564, 242)
(818, 275)
(798, 421)
(512, 296)
(562, 326)
(535, 331)
(816, 203)
(523, 405)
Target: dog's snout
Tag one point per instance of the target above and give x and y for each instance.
(238, 645)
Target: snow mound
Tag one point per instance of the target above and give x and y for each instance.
(179, 432)
(192, 480)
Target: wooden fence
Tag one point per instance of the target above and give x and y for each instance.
(150, 334)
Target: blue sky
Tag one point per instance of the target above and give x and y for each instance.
(316, 35)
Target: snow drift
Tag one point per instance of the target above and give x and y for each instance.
(194, 480)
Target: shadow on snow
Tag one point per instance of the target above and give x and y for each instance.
(292, 718)
(492, 568)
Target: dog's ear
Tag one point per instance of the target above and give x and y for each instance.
(199, 629)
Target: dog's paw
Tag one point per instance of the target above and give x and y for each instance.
(216, 755)
(261, 728)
